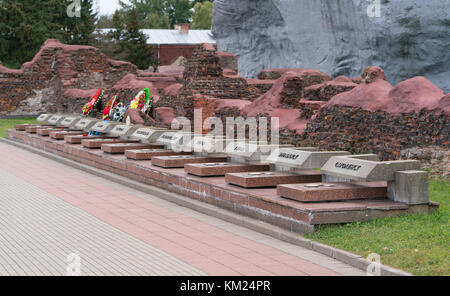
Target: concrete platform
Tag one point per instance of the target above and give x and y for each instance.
(97, 143)
(179, 161)
(263, 204)
(319, 192)
(59, 135)
(76, 139)
(148, 154)
(22, 127)
(32, 129)
(220, 169)
(45, 132)
(272, 179)
(120, 148)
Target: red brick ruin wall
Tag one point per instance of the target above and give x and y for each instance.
(167, 54)
(39, 84)
(204, 75)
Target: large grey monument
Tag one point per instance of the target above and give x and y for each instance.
(340, 37)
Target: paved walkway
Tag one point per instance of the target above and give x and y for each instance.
(56, 220)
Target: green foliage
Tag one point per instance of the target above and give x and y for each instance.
(130, 44)
(10, 123)
(415, 243)
(159, 14)
(179, 11)
(26, 24)
(79, 29)
(202, 15)
(105, 22)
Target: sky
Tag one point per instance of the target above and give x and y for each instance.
(107, 6)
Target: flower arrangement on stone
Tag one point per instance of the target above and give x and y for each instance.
(109, 109)
(142, 101)
(94, 102)
(118, 112)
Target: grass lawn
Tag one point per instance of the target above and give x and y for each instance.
(10, 123)
(419, 244)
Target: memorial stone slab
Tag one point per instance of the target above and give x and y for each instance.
(366, 170)
(103, 127)
(59, 135)
(175, 140)
(148, 154)
(32, 129)
(405, 182)
(295, 163)
(92, 143)
(167, 138)
(209, 145)
(45, 131)
(179, 161)
(148, 134)
(272, 179)
(123, 130)
(70, 121)
(220, 169)
(56, 119)
(120, 148)
(288, 159)
(44, 117)
(76, 139)
(242, 151)
(84, 124)
(326, 192)
(24, 126)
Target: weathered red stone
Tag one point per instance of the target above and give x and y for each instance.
(97, 143)
(220, 169)
(320, 192)
(120, 148)
(148, 154)
(272, 179)
(178, 161)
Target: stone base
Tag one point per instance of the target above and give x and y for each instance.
(261, 203)
(45, 132)
(97, 143)
(272, 179)
(61, 134)
(319, 192)
(22, 127)
(220, 169)
(32, 129)
(148, 154)
(76, 139)
(120, 148)
(179, 161)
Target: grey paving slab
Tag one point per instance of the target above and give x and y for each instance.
(39, 231)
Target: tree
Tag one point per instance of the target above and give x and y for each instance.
(150, 13)
(202, 17)
(159, 14)
(179, 11)
(156, 21)
(79, 29)
(26, 24)
(105, 22)
(129, 42)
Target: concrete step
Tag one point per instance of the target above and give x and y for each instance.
(220, 169)
(320, 192)
(148, 154)
(120, 148)
(272, 179)
(179, 161)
